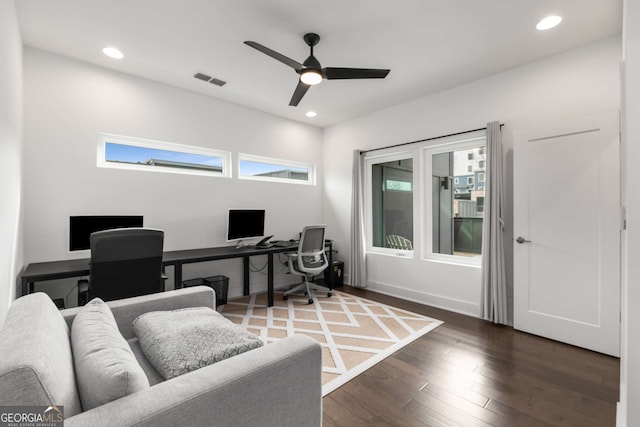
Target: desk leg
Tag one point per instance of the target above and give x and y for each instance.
(245, 261)
(270, 279)
(27, 287)
(177, 275)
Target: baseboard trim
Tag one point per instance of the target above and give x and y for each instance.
(620, 415)
(455, 305)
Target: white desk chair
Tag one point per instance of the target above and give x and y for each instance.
(309, 261)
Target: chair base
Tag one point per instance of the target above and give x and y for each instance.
(306, 287)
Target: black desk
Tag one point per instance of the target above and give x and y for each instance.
(43, 271)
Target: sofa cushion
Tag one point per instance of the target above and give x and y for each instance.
(36, 364)
(106, 368)
(181, 341)
(152, 375)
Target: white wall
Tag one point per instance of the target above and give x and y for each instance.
(628, 410)
(68, 102)
(578, 83)
(10, 154)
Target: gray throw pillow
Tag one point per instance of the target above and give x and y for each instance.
(181, 341)
(106, 368)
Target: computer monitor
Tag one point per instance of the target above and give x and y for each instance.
(81, 227)
(245, 224)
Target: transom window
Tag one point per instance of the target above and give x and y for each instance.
(268, 169)
(124, 152)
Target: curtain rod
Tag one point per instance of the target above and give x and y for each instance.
(426, 139)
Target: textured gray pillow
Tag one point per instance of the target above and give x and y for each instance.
(181, 341)
(106, 368)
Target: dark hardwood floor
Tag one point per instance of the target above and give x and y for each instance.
(469, 372)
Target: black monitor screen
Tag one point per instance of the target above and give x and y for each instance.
(245, 223)
(81, 227)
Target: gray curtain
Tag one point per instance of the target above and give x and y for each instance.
(494, 285)
(358, 268)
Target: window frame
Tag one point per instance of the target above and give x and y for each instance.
(102, 162)
(311, 176)
(426, 209)
(369, 161)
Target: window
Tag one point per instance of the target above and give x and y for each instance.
(481, 164)
(481, 151)
(481, 177)
(455, 215)
(123, 152)
(391, 202)
(422, 200)
(267, 169)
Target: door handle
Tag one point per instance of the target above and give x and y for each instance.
(522, 240)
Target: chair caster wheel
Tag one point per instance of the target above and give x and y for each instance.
(285, 297)
(329, 294)
(310, 301)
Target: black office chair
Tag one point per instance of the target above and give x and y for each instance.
(309, 261)
(125, 262)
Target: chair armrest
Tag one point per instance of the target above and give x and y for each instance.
(126, 310)
(278, 384)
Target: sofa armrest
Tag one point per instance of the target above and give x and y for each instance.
(126, 310)
(278, 384)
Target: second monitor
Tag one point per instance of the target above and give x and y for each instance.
(245, 224)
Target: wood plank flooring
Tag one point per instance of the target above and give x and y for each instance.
(469, 372)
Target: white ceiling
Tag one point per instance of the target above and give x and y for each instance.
(429, 45)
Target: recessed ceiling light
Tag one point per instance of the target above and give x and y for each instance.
(311, 114)
(549, 22)
(112, 52)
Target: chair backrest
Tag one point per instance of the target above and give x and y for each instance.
(311, 256)
(398, 242)
(126, 262)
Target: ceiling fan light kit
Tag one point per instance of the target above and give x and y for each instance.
(311, 72)
(310, 77)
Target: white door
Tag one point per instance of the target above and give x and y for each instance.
(567, 233)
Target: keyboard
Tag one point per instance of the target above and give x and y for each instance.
(284, 243)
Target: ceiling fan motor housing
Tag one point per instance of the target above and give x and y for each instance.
(311, 39)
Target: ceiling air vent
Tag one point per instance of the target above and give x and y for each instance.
(217, 82)
(202, 77)
(212, 80)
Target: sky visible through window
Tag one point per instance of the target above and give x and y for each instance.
(132, 154)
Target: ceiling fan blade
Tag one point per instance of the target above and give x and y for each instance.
(301, 89)
(335, 73)
(275, 55)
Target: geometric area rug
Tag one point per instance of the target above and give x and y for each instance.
(354, 333)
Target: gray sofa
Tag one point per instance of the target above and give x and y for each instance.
(278, 384)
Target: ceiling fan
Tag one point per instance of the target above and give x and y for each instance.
(312, 73)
